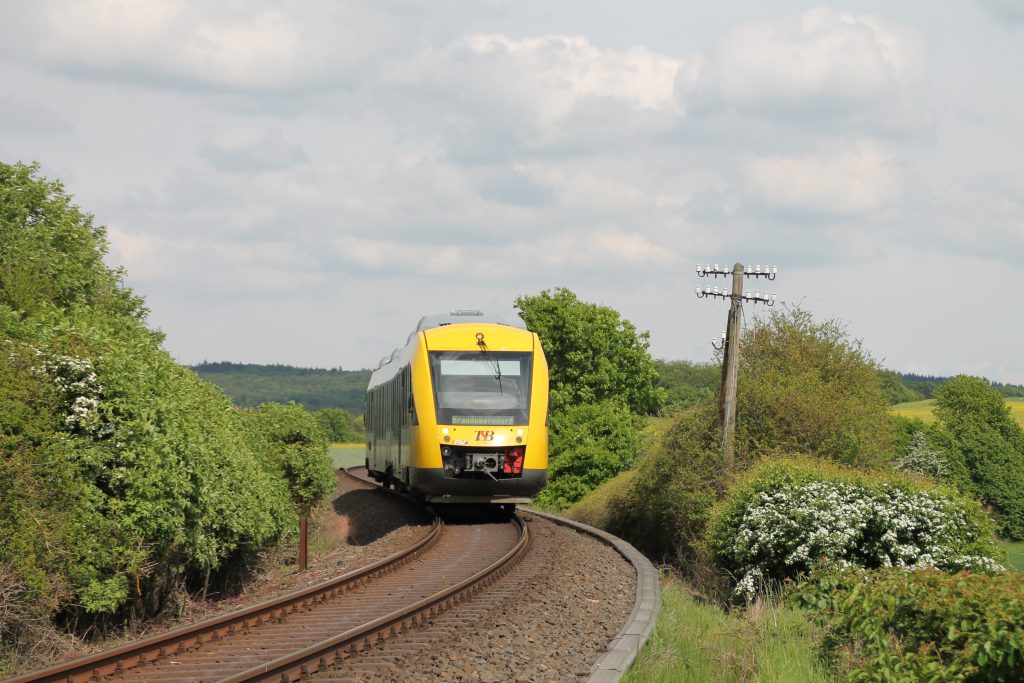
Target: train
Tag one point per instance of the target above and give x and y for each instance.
(460, 413)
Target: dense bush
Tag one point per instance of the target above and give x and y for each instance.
(925, 625)
(665, 505)
(806, 387)
(123, 474)
(589, 444)
(974, 427)
(162, 456)
(293, 442)
(786, 517)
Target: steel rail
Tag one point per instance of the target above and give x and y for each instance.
(124, 657)
(335, 650)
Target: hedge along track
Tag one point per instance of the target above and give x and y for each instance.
(286, 638)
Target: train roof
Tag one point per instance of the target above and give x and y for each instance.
(456, 317)
(467, 316)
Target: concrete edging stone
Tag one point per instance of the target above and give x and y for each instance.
(623, 649)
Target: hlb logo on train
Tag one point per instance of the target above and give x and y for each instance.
(485, 435)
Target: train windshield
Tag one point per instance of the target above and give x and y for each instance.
(481, 387)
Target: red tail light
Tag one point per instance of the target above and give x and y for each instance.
(514, 460)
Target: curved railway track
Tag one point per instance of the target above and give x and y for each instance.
(319, 627)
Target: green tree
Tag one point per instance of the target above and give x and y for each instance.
(340, 426)
(602, 379)
(591, 443)
(687, 383)
(982, 432)
(593, 354)
(293, 441)
(50, 251)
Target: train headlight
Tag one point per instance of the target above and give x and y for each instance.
(446, 452)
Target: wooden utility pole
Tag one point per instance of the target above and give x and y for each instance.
(731, 362)
(730, 369)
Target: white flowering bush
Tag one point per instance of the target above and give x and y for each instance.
(923, 459)
(81, 390)
(788, 517)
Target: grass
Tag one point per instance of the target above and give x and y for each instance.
(695, 642)
(923, 409)
(1015, 555)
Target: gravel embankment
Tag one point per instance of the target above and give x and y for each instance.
(360, 526)
(548, 620)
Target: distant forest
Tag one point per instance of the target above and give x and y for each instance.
(249, 385)
(686, 383)
(926, 384)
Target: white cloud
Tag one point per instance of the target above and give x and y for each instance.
(1010, 11)
(499, 97)
(822, 65)
(251, 149)
(28, 115)
(861, 179)
(323, 162)
(238, 46)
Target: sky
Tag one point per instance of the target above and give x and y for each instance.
(299, 183)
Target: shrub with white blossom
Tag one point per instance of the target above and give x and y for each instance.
(923, 459)
(790, 516)
(81, 389)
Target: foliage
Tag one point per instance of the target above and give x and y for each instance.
(589, 444)
(123, 473)
(806, 387)
(598, 506)
(251, 385)
(340, 426)
(925, 625)
(926, 385)
(686, 383)
(47, 522)
(51, 254)
(803, 386)
(697, 642)
(593, 354)
(677, 479)
(895, 390)
(921, 458)
(292, 440)
(787, 516)
(979, 429)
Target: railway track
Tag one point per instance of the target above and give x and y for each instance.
(320, 627)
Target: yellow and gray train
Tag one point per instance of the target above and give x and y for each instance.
(459, 415)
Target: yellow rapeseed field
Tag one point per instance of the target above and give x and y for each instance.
(923, 409)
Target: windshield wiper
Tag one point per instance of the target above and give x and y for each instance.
(497, 364)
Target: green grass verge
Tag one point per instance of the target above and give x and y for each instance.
(699, 643)
(1015, 555)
